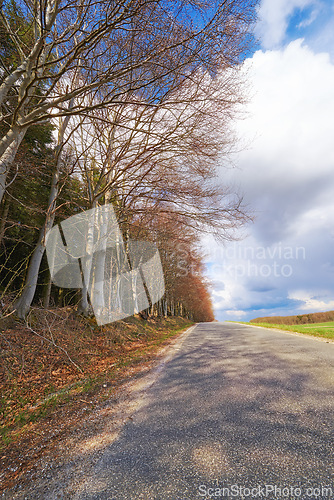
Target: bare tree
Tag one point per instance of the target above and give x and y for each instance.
(120, 47)
(140, 156)
(23, 302)
(147, 81)
(149, 161)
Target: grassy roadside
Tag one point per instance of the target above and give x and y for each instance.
(324, 330)
(58, 360)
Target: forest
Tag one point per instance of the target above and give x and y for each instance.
(128, 103)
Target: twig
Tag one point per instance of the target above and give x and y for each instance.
(3, 317)
(52, 342)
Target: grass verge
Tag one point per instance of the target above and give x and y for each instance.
(324, 330)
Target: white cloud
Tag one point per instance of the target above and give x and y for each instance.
(226, 299)
(324, 37)
(311, 302)
(308, 20)
(273, 19)
(236, 314)
(287, 177)
(288, 169)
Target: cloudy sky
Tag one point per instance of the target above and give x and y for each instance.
(285, 263)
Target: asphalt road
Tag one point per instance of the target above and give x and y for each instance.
(236, 407)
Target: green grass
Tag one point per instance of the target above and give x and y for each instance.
(325, 330)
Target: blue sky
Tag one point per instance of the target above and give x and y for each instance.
(284, 263)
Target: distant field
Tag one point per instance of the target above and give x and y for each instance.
(325, 330)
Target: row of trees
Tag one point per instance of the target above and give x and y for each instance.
(300, 319)
(129, 103)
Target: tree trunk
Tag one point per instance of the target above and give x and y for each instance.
(8, 157)
(47, 292)
(4, 216)
(84, 306)
(23, 303)
(97, 289)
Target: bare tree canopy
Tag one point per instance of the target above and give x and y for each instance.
(54, 51)
(141, 94)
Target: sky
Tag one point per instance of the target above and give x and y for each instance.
(283, 263)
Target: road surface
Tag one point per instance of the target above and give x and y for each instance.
(237, 412)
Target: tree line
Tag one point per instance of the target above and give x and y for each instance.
(129, 103)
(300, 319)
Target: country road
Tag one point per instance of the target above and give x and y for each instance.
(236, 412)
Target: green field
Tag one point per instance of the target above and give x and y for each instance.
(325, 330)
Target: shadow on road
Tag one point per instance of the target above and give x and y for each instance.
(234, 406)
